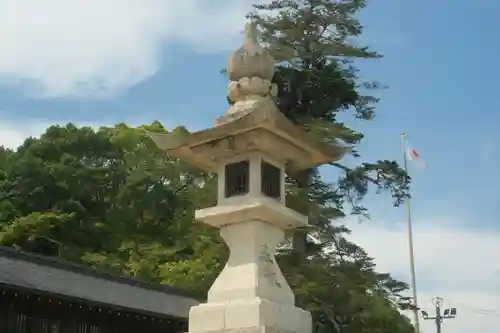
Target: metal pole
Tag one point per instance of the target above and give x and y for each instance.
(438, 315)
(410, 244)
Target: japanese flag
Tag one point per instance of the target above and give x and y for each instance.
(413, 156)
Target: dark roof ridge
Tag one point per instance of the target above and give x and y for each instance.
(93, 272)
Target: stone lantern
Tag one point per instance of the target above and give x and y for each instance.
(251, 148)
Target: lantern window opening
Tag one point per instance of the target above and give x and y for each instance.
(270, 180)
(237, 178)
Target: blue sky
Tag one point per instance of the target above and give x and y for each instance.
(109, 61)
(440, 66)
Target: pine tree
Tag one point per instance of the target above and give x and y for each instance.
(313, 42)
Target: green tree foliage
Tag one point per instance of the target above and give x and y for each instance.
(109, 198)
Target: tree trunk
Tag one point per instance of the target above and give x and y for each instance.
(299, 239)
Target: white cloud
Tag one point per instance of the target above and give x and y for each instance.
(453, 261)
(87, 48)
(13, 134)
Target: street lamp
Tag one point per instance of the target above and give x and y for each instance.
(449, 313)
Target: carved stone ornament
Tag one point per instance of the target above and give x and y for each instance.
(251, 59)
(250, 69)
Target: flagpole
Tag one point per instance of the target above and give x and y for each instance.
(410, 242)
